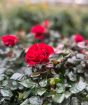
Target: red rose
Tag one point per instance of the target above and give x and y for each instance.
(78, 38)
(38, 31)
(38, 54)
(9, 40)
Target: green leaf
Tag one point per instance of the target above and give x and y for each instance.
(41, 91)
(72, 76)
(2, 76)
(35, 101)
(78, 87)
(26, 94)
(58, 98)
(43, 83)
(54, 81)
(6, 93)
(25, 102)
(17, 76)
(28, 71)
(67, 94)
(28, 83)
(2, 70)
(60, 89)
(87, 87)
(13, 85)
(5, 83)
(20, 95)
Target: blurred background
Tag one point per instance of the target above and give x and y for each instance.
(68, 16)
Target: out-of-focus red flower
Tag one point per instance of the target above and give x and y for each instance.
(9, 40)
(38, 31)
(46, 23)
(82, 51)
(38, 54)
(78, 38)
(86, 41)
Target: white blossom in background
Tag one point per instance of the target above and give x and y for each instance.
(81, 1)
(65, 1)
(50, 2)
(38, 1)
(35, 1)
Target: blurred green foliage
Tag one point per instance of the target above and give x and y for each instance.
(66, 22)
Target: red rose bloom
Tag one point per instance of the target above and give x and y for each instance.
(9, 40)
(78, 38)
(38, 54)
(38, 31)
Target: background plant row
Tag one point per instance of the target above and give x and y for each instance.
(66, 22)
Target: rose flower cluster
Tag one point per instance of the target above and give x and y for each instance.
(39, 53)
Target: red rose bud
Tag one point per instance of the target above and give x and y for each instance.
(38, 31)
(9, 40)
(38, 54)
(46, 23)
(78, 38)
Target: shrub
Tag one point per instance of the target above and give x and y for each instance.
(63, 78)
